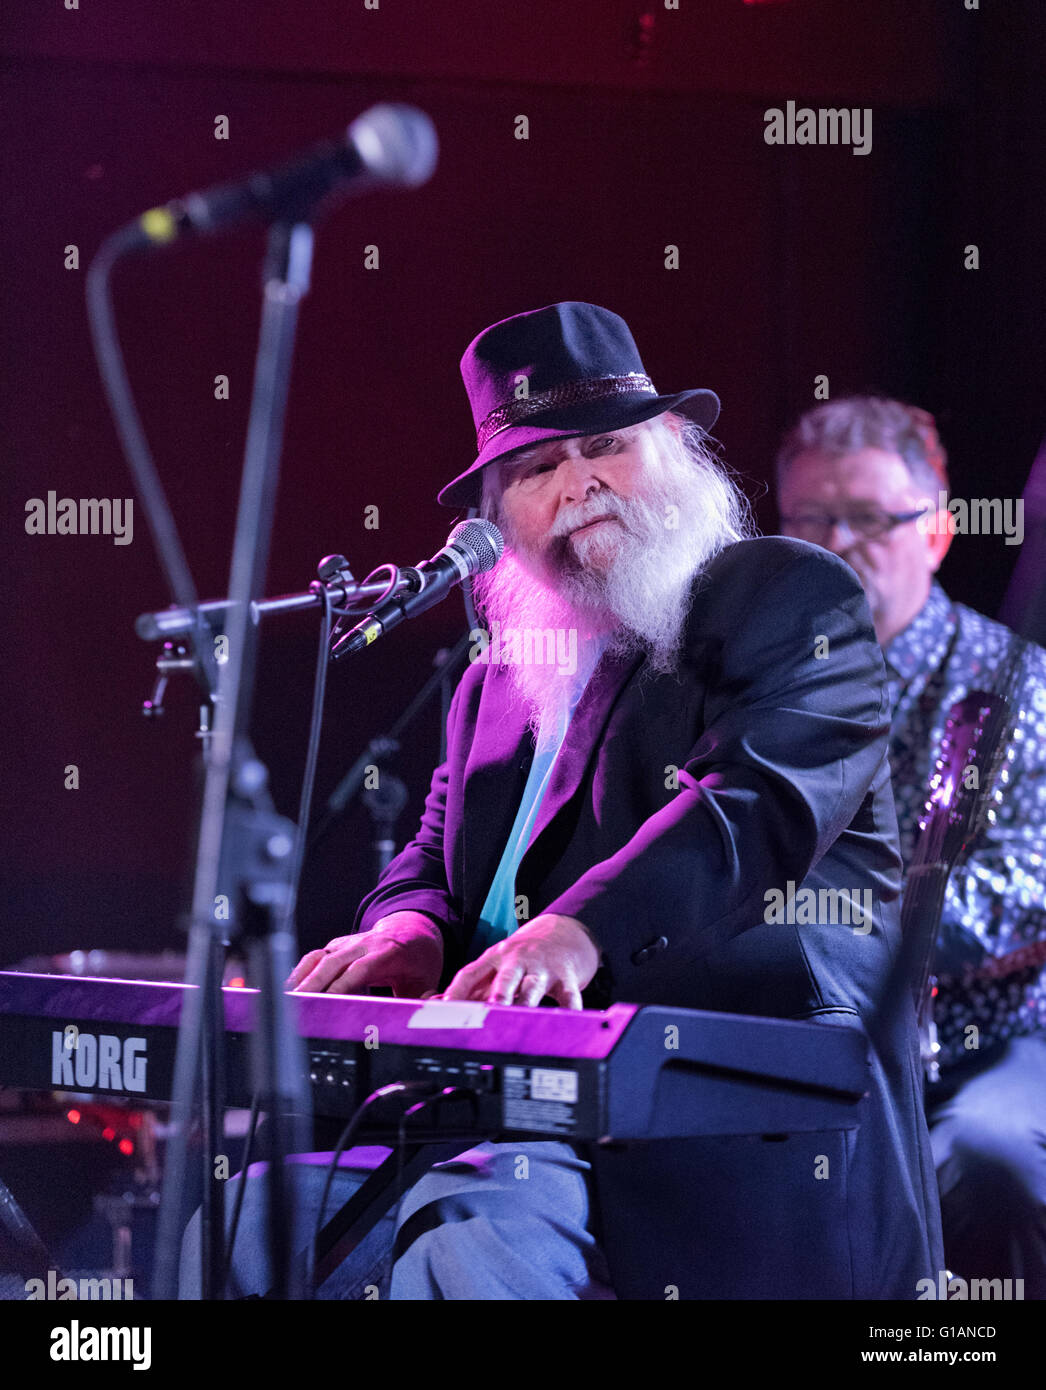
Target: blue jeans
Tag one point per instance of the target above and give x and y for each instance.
(500, 1221)
(989, 1147)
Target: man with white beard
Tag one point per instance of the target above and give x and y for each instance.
(616, 834)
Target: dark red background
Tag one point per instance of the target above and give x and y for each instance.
(646, 128)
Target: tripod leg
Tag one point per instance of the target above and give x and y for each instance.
(29, 1245)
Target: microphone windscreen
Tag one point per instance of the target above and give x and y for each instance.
(482, 538)
(397, 143)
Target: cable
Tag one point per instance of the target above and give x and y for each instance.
(447, 1093)
(113, 370)
(252, 1127)
(396, 1088)
(308, 780)
(390, 588)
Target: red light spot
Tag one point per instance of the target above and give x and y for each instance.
(237, 983)
(73, 1116)
(108, 1132)
(126, 1146)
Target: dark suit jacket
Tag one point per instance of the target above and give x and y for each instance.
(780, 740)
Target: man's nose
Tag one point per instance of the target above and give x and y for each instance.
(577, 478)
(840, 538)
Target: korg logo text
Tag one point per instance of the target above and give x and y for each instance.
(101, 1063)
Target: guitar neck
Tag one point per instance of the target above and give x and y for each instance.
(921, 912)
(997, 967)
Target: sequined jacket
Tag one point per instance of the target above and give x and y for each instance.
(996, 901)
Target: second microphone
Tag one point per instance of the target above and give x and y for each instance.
(473, 547)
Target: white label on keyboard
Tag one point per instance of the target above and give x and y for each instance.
(449, 1013)
(546, 1084)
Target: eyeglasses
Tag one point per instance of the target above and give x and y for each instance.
(869, 522)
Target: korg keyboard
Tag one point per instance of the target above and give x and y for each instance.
(627, 1073)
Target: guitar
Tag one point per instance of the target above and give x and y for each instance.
(1029, 957)
(961, 802)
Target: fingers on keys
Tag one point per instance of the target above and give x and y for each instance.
(319, 971)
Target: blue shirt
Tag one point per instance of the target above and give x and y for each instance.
(497, 918)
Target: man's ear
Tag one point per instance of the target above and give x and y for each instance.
(666, 421)
(941, 542)
(936, 526)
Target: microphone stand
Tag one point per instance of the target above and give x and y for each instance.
(383, 747)
(384, 804)
(245, 851)
(337, 580)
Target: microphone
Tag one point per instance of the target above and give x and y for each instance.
(473, 547)
(390, 145)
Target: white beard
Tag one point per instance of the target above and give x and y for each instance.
(512, 596)
(629, 585)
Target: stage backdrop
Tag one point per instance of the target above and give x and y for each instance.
(644, 131)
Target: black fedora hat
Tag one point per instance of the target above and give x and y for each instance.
(557, 373)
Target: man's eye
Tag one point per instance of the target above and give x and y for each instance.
(529, 472)
(607, 442)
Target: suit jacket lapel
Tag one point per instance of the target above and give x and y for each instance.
(499, 760)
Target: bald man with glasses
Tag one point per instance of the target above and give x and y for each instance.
(857, 476)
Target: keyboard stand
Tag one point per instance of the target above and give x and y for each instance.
(366, 1207)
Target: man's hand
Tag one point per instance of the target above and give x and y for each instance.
(403, 951)
(551, 955)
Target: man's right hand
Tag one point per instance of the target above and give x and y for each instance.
(402, 952)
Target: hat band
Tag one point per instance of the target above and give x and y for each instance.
(572, 393)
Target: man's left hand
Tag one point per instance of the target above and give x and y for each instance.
(552, 955)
